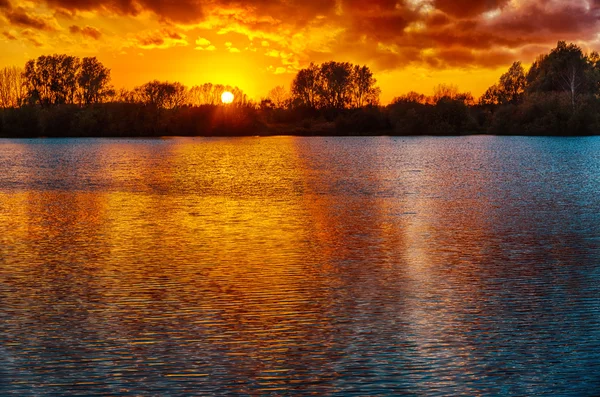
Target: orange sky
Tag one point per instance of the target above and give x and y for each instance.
(256, 45)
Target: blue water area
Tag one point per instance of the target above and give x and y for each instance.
(354, 266)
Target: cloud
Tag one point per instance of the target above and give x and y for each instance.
(9, 35)
(32, 37)
(160, 39)
(467, 8)
(186, 11)
(88, 31)
(387, 34)
(201, 41)
(18, 16)
(203, 44)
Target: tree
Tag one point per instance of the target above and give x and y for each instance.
(510, 89)
(444, 91)
(163, 95)
(491, 96)
(278, 97)
(12, 91)
(305, 87)
(335, 85)
(335, 88)
(94, 81)
(450, 92)
(52, 79)
(565, 69)
(364, 91)
(512, 84)
(411, 97)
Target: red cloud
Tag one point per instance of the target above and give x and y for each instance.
(389, 33)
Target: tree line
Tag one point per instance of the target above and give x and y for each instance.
(60, 79)
(61, 95)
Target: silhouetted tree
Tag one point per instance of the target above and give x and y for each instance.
(278, 97)
(412, 97)
(335, 84)
(305, 87)
(364, 91)
(163, 95)
(94, 80)
(12, 90)
(565, 69)
(444, 91)
(52, 79)
(512, 84)
(510, 88)
(210, 94)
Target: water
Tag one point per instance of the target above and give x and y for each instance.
(277, 266)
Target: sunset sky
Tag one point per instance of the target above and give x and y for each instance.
(256, 45)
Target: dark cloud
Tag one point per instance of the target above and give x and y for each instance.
(4, 4)
(465, 8)
(163, 38)
(175, 10)
(19, 17)
(88, 31)
(389, 33)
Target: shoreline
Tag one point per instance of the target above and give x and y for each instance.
(382, 134)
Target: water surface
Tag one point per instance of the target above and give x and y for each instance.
(277, 266)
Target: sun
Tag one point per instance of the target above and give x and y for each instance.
(227, 97)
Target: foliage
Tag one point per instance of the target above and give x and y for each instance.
(559, 95)
(63, 79)
(94, 81)
(510, 88)
(335, 85)
(161, 95)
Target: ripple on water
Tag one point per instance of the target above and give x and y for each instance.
(338, 266)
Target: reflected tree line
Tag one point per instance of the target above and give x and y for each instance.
(62, 95)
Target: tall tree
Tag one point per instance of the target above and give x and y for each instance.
(364, 91)
(94, 80)
(305, 87)
(512, 84)
(163, 95)
(335, 88)
(52, 79)
(566, 69)
(510, 88)
(278, 97)
(11, 87)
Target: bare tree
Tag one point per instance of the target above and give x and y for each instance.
(444, 91)
(12, 91)
(279, 97)
(163, 95)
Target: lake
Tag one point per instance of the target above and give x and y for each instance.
(295, 266)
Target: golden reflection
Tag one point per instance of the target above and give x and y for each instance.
(277, 262)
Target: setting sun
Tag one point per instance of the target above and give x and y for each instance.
(227, 97)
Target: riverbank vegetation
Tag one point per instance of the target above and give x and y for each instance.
(61, 95)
